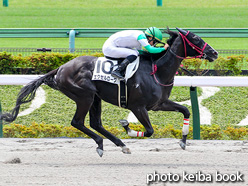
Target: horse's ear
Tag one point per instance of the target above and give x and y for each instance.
(181, 31)
(167, 30)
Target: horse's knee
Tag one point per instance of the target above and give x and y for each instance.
(149, 132)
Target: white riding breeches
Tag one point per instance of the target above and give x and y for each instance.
(109, 49)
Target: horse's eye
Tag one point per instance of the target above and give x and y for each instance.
(196, 39)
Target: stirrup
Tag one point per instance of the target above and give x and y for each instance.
(117, 75)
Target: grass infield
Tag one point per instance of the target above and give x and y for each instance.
(121, 14)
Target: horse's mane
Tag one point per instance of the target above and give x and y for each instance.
(173, 36)
(149, 56)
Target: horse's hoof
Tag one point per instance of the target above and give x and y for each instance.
(99, 151)
(182, 144)
(126, 150)
(124, 122)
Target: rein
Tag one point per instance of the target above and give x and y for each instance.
(154, 70)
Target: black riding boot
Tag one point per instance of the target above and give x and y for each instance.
(117, 72)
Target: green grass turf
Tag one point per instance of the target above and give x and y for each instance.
(127, 3)
(121, 14)
(123, 17)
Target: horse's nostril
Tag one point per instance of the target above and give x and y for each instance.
(215, 53)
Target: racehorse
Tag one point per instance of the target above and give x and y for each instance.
(145, 90)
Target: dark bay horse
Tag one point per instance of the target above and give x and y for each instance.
(145, 91)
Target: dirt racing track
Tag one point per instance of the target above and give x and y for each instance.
(69, 161)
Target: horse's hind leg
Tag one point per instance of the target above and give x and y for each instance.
(96, 123)
(78, 122)
(142, 115)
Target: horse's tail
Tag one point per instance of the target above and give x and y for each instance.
(27, 94)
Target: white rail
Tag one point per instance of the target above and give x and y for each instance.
(215, 81)
(190, 81)
(17, 79)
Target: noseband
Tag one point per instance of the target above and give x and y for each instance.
(194, 47)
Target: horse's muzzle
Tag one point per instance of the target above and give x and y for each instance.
(211, 54)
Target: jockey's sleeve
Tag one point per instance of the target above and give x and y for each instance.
(143, 41)
(154, 50)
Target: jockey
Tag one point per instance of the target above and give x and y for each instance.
(128, 44)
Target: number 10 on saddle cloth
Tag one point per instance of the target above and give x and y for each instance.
(104, 67)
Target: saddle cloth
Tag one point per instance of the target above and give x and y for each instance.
(104, 67)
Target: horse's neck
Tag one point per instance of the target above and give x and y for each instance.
(169, 63)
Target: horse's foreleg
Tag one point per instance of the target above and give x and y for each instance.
(96, 123)
(185, 132)
(172, 106)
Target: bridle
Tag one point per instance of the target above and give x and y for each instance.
(194, 47)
